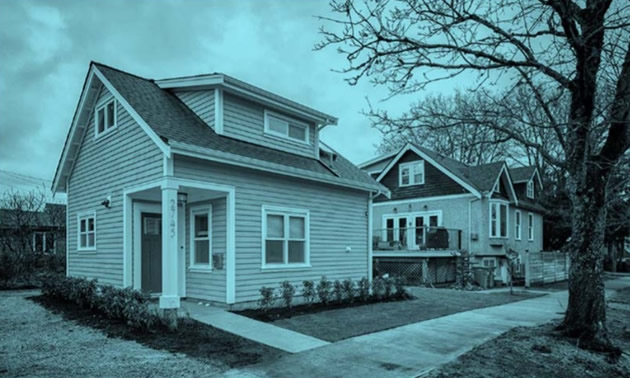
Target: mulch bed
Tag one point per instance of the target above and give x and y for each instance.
(192, 338)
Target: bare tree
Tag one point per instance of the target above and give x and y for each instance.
(553, 49)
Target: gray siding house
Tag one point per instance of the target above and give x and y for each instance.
(207, 187)
(439, 206)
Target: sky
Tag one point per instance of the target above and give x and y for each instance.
(46, 47)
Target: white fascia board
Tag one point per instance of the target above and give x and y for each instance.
(376, 159)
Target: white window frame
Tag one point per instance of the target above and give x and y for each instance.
(195, 210)
(518, 225)
(530, 189)
(491, 230)
(43, 234)
(530, 226)
(85, 216)
(410, 166)
(286, 212)
(103, 107)
(487, 259)
(289, 122)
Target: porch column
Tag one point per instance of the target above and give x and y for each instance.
(170, 261)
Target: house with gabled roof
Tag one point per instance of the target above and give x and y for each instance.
(439, 206)
(207, 187)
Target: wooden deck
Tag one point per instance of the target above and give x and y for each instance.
(415, 253)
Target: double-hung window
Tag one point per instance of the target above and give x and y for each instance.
(498, 220)
(530, 189)
(285, 237)
(105, 117)
(87, 232)
(285, 127)
(411, 173)
(530, 226)
(517, 225)
(200, 234)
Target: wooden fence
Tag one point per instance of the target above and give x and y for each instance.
(546, 267)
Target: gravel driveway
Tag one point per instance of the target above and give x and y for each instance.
(37, 343)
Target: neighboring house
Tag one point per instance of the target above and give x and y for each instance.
(439, 206)
(207, 187)
(39, 231)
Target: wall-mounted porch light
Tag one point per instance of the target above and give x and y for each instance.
(182, 198)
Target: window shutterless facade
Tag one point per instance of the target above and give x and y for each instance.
(285, 234)
(498, 219)
(530, 226)
(201, 237)
(86, 231)
(411, 173)
(517, 225)
(105, 117)
(285, 127)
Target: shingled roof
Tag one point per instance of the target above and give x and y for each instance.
(175, 123)
(522, 174)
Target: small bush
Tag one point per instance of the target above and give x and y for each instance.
(266, 298)
(399, 285)
(389, 288)
(308, 292)
(287, 291)
(338, 291)
(364, 289)
(347, 287)
(378, 288)
(323, 290)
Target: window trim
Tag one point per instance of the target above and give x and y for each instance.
(194, 210)
(493, 259)
(499, 203)
(410, 166)
(531, 192)
(286, 212)
(103, 106)
(518, 226)
(86, 215)
(289, 121)
(530, 226)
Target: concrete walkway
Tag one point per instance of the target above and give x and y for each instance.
(264, 333)
(416, 348)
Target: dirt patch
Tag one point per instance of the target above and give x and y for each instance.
(192, 338)
(542, 352)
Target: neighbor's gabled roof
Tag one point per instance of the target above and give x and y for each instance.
(177, 129)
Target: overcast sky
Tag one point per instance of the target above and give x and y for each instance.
(46, 47)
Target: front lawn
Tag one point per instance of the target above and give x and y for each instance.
(338, 324)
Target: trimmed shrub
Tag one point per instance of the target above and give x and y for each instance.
(308, 292)
(364, 289)
(287, 291)
(338, 291)
(389, 288)
(378, 288)
(347, 287)
(323, 290)
(399, 285)
(266, 298)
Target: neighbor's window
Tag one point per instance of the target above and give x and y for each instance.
(517, 225)
(530, 226)
(285, 233)
(285, 127)
(411, 173)
(200, 244)
(489, 262)
(105, 116)
(87, 232)
(39, 240)
(498, 219)
(530, 189)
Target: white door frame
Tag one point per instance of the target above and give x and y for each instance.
(410, 219)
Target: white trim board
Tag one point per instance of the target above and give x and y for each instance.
(425, 199)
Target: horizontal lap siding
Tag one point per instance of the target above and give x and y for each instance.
(208, 285)
(337, 218)
(200, 102)
(124, 157)
(244, 120)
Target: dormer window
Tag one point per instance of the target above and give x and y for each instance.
(411, 173)
(287, 128)
(105, 117)
(530, 189)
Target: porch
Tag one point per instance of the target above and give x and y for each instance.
(420, 241)
(179, 240)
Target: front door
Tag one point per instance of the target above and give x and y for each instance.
(151, 244)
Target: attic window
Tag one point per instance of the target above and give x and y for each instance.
(105, 117)
(411, 173)
(285, 127)
(530, 189)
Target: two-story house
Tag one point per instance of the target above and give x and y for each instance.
(207, 187)
(439, 206)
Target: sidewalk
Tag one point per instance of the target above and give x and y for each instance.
(264, 333)
(413, 349)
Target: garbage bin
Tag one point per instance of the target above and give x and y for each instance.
(481, 276)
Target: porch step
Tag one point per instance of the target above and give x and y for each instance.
(264, 333)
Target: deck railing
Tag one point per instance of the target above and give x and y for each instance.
(416, 239)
